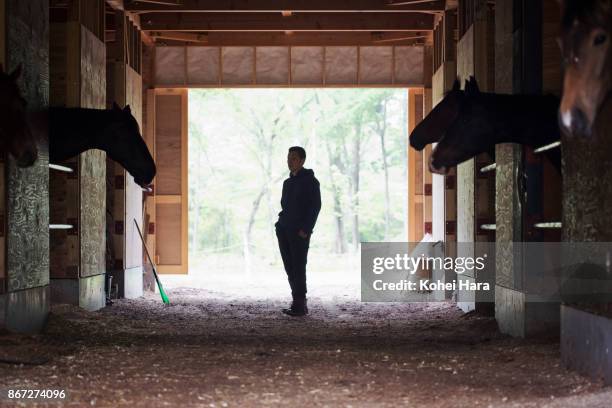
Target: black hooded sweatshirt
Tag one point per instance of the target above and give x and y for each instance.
(301, 202)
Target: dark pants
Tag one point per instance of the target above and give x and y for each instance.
(294, 251)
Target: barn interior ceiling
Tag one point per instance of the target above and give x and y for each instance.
(283, 22)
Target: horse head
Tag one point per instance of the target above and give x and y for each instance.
(587, 55)
(124, 144)
(467, 136)
(15, 134)
(432, 128)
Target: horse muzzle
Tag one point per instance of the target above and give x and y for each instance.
(574, 122)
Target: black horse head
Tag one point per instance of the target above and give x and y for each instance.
(432, 128)
(124, 144)
(468, 135)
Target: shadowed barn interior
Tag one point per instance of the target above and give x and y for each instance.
(101, 188)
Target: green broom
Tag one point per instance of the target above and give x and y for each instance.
(159, 285)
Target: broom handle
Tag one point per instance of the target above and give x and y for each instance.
(144, 244)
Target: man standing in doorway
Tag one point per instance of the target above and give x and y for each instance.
(301, 203)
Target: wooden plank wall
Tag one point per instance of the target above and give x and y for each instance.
(115, 178)
(466, 171)
(125, 196)
(27, 238)
(198, 66)
(171, 181)
(133, 192)
(444, 187)
(427, 176)
(415, 169)
(64, 187)
(78, 78)
(92, 166)
(148, 132)
(475, 191)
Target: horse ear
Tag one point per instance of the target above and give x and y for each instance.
(16, 73)
(471, 86)
(474, 85)
(127, 109)
(456, 85)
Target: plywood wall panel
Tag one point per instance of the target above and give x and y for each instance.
(301, 65)
(170, 66)
(169, 227)
(133, 192)
(238, 65)
(92, 212)
(64, 209)
(341, 65)
(375, 65)
(92, 165)
(443, 80)
(307, 65)
(92, 71)
(203, 65)
(272, 65)
(465, 56)
(168, 144)
(409, 65)
(28, 189)
(133, 86)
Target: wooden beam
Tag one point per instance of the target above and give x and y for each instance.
(297, 22)
(379, 38)
(178, 36)
(295, 39)
(304, 6)
(116, 4)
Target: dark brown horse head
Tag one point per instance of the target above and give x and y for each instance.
(587, 55)
(124, 144)
(468, 135)
(15, 135)
(432, 128)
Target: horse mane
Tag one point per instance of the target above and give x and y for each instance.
(517, 102)
(590, 12)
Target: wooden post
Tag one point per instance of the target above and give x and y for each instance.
(125, 88)
(78, 79)
(24, 308)
(415, 169)
(475, 57)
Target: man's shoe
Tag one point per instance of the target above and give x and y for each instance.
(298, 308)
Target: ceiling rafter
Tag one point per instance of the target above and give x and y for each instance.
(297, 22)
(294, 39)
(305, 6)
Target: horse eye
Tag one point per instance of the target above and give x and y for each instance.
(600, 39)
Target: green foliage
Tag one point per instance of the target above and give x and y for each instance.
(238, 141)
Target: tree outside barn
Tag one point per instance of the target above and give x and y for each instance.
(356, 142)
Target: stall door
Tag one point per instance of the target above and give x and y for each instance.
(171, 181)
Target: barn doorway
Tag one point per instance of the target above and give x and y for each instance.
(356, 142)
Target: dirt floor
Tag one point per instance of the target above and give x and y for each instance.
(210, 349)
